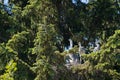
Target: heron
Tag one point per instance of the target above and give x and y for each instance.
(81, 51)
(97, 48)
(67, 48)
(71, 43)
(72, 58)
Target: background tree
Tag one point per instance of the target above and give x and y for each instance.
(32, 41)
(103, 64)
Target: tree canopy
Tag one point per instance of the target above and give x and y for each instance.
(34, 38)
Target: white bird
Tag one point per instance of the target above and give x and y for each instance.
(97, 48)
(67, 48)
(81, 48)
(71, 44)
(73, 58)
(81, 51)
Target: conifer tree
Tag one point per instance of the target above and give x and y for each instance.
(103, 64)
(45, 42)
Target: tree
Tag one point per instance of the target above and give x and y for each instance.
(32, 41)
(9, 72)
(20, 44)
(45, 42)
(103, 64)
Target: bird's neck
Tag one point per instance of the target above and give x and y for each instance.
(98, 45)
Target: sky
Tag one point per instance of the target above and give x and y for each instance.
(84, 1)
(6, 2)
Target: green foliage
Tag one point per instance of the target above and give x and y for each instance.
(18, 41)
(45, 43)
(32, 41)
(103, 64)
(95, 20)
(23, 71)
(43, 69)
(9, 72)
(6, 54)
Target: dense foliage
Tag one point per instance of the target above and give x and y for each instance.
(32, 40)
